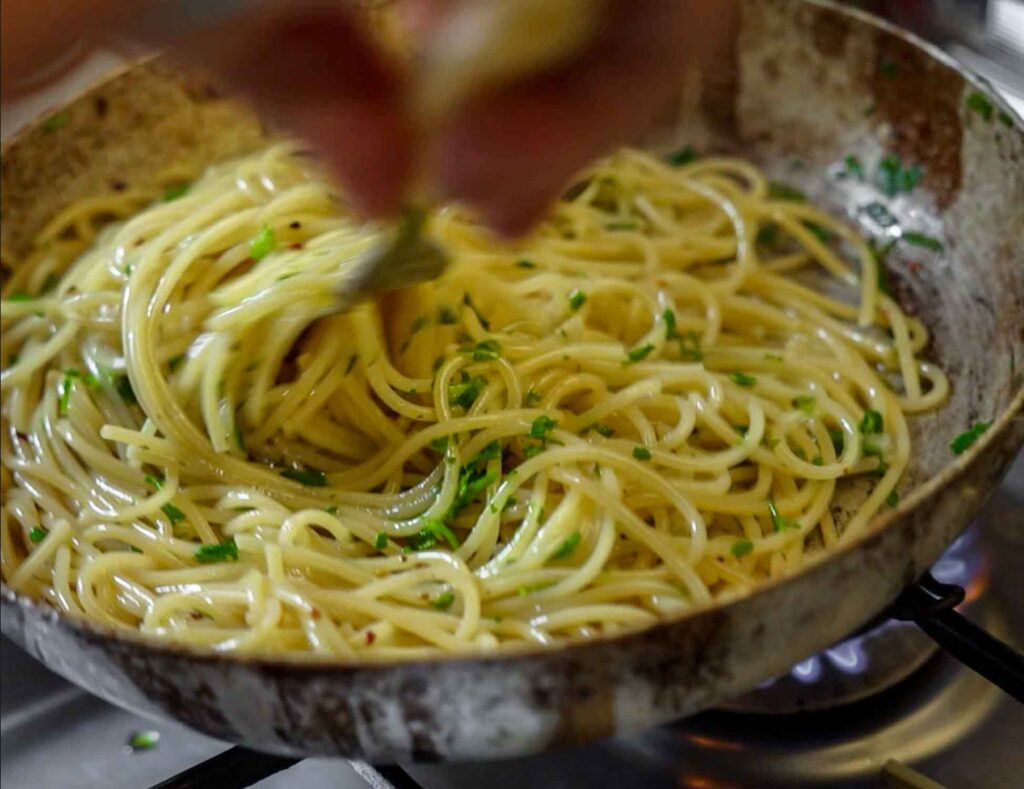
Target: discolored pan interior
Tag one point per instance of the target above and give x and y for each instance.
(800, 88)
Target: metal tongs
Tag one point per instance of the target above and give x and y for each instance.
(483, 44)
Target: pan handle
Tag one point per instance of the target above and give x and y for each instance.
(931, 606)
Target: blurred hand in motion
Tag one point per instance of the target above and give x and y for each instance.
(314, 68)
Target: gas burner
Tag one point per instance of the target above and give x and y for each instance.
(916, 721)
(871, 661)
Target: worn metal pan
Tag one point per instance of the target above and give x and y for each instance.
(801, 86)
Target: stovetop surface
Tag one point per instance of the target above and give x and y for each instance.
(943, 721)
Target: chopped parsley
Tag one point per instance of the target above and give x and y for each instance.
(479, 315)
(894, 178)
(852, 168)
(19, 295)
(742, 379)
(533, 449)
(780, 191)
(143, 740)
(600, 428)
(642, 453)
(577, 299)
(669, 318)
(443, 601)
(439, 444)
(805, 403)
(965, 440)
(172, 193)
(871, 422)
(433, 530)
(527, 264)
(980, 104)
(541, 426)
(568, 546)
(489, 452)
(419, 324)
(263, 243)
(528, 589)
(446, 316)
(682, 156)
(1005, 119)
(637, 354)
(474, 479)
(173, 513)
(892, 499)
(483, 351)
(921, 240)
(380, 542)
(37, 534)
(175, 362)
(778, 522)
(56, 121)
(421, 541)
(532, 398)
(226, 551)
(70, 376)
(310, 477)
(741, 548)
(465, 392)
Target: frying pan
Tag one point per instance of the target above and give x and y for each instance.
(800, 86)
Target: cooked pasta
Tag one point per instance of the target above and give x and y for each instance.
(682, 384)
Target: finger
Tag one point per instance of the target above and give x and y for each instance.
(315, 72)
(511, 153)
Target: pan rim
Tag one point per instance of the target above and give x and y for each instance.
(312, 663)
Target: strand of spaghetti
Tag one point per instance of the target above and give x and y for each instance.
(653, 402)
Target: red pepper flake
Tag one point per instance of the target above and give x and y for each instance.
(195, 615)
(242, 268)
(314, 612)
(914, 267)
(297, 245)
(370, 637)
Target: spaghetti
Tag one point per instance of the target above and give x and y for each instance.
(654, 403)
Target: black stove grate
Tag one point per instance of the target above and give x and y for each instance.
(238, 768)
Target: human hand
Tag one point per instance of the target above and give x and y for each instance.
(315, 70)
(506, 153)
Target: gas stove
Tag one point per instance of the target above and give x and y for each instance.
(883, 708)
